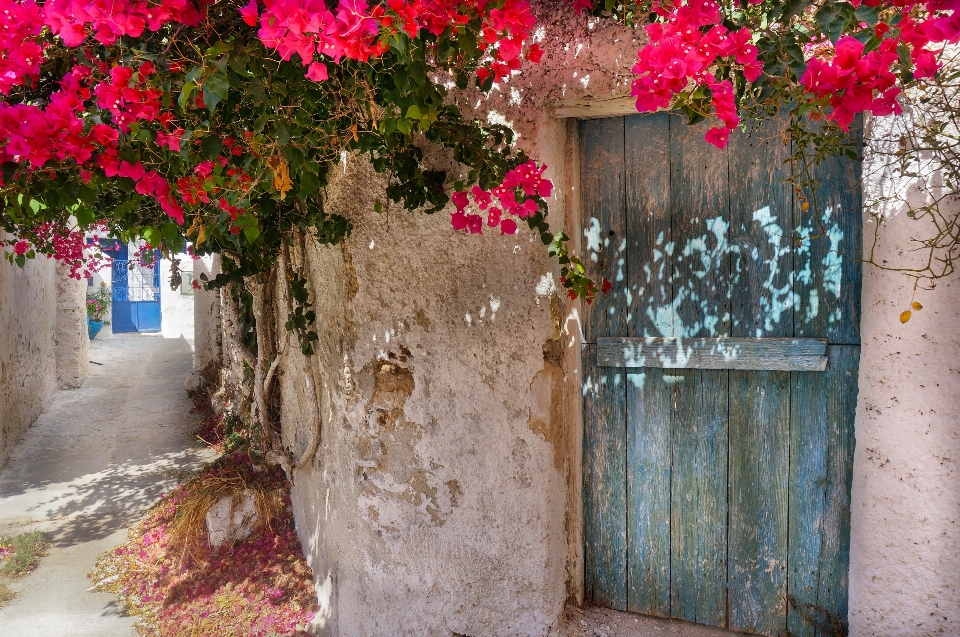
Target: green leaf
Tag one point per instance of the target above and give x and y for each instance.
(215, 89)
(210, 147)
(283, 134)
(85, 216)
(870, 15)
(185, 93)
(414, 112)
(219, 84)
(219, 49)
(251, 233)
(152, 236)
(834, 18)
(787, 10)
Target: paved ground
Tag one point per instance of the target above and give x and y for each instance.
(591, 621)
(86, 470)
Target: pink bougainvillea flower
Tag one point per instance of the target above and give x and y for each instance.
(460, 200)
(475, 224)
(317, 72)
(458, 220)
(250, 13)
(21, 247)
(718, 136)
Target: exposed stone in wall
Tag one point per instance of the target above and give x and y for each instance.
(28, 369)
(206, 316)
(72, 340)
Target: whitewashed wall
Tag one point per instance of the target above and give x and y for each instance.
(176, 307)
(905, 544)
(28, 366)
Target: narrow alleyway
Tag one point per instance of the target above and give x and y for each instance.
(86, 470)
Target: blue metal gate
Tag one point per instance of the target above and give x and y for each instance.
(136, 294)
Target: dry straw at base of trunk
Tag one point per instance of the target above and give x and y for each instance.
(189, 526)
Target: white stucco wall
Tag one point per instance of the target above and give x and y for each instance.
(905, 517)
(206, 316)
(432, 507)
(28, 367)
(176, 308)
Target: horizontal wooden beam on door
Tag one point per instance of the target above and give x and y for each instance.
(595, 108)
(759, 354)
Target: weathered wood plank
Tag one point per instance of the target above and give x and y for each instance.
(828, 275)
(648, 493)
(700, 205)
(649, 243)
(594, 109)
(823, 407)
(647, 206)
(776, 354)
(761, 229)
(603, 223)
(699, 496)
(701, 306)
(604, 483)
(759, 470)
(761, 218)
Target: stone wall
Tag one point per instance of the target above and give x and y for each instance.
(28, 366)
(72, 341)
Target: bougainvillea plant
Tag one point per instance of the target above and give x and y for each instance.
(216, 123)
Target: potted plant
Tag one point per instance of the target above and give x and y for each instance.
(98, 305)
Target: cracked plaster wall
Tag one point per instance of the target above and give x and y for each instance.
(28, 364)
(437, 503)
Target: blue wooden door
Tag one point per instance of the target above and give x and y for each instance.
(717, 462)
(136, 294)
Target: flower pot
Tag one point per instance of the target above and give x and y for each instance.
(93, 327)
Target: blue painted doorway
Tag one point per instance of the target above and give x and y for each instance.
(136, 292)
(718, 491)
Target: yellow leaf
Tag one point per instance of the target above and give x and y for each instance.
(353, 129)
(916, 306)
(805, 206)
(906, 316)
(281, 175)
(202, 235)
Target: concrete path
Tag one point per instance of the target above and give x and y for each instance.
(593, 621)
(86, 471)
